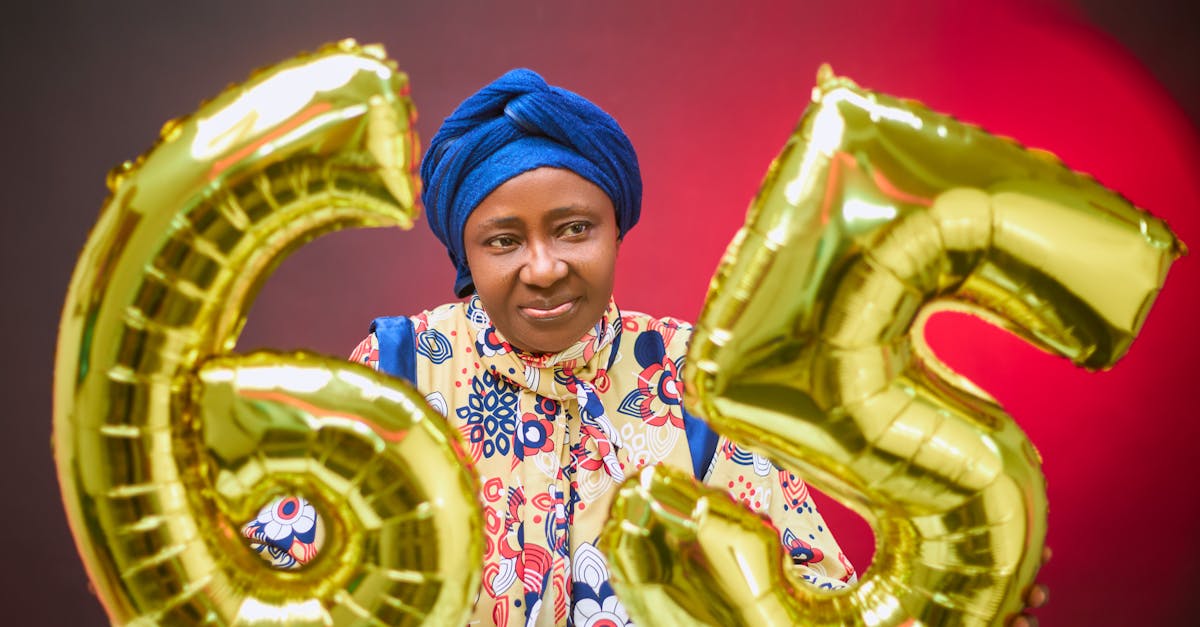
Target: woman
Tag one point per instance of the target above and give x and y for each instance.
(559, 394)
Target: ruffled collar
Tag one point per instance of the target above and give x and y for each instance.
(548, 374)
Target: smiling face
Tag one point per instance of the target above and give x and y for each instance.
(542, 249)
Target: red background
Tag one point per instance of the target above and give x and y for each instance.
(708, 95)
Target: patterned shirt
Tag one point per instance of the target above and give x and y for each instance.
(553, 436)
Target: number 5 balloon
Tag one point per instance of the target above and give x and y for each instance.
(165, 446)
(810, 349)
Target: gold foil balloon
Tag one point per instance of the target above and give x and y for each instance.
(810, 349)
(165, 445)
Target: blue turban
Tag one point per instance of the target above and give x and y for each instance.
(516, 124)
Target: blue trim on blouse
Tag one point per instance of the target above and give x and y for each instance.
(397, 347)
(702, 442)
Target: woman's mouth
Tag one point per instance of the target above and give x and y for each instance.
(549, 313)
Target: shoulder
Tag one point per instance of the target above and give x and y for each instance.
(419, 322)
(395, 341)
(667, 326)
(431, 318)
(671, 334)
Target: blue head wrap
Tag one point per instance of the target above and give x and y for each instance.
(516, 124)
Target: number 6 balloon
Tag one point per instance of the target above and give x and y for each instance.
(810, 349)
(165, 445)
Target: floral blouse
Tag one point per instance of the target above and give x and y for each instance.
(553, 436)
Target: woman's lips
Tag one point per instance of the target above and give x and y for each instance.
(538, 313)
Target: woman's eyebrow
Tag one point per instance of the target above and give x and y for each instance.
(560, 212)
(508, 222)
(504, 222)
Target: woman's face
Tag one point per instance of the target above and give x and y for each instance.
(542, 249)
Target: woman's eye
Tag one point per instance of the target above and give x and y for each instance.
(577, 228)
(502, 241)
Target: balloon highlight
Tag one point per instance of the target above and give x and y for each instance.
(810, 349)
(165, 444)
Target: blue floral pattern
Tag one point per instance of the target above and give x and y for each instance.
(491, 413)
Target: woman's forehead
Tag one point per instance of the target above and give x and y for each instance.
(541, 195)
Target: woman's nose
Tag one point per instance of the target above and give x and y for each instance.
(543, 267)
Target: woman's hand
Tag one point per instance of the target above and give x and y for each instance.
(1036, 597)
